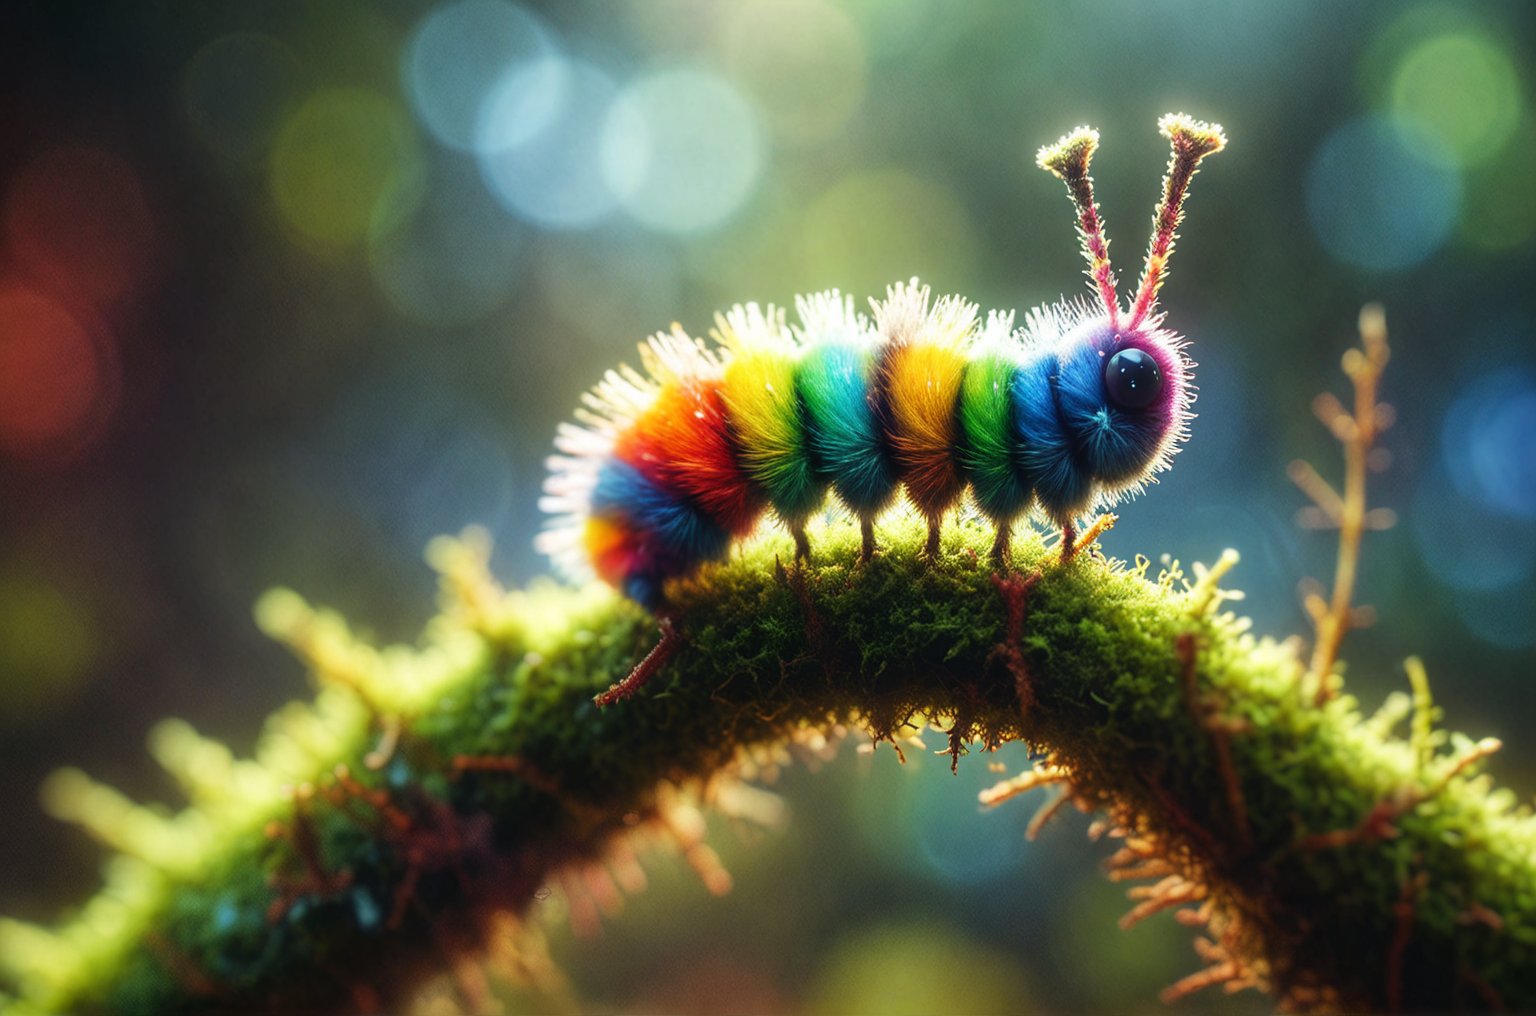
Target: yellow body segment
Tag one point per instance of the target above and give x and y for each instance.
(922, 388)
(604, 542)
(769, 434)
(759, 391)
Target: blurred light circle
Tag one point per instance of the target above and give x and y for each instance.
(895, 28)
(457, 55)
(554, 178)
(523, 102)
(458, 258)
(1499, 210)
(682, 150)
(957, 840)
(1463, 546)
(1489, 441)
(77, 220)
(47, 642)
(235, 92)
(1382, 193)
(918, 967)
(876, 226)
(803, 60)
(58, 384)
(1463, 86)
(1502, 617)
(345, 164)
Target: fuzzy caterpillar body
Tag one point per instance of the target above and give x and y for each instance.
(670, 464)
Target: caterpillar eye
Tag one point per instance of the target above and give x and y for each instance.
(1132, 379)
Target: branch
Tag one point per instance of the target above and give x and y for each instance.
(404, 820)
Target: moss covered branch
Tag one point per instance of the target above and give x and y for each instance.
(427, 794)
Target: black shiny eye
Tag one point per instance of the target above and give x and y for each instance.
(1132, 379)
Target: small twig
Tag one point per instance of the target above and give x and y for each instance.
(1489, 994)
(1402, 934)
(1047, 811)
(1220, 973)
(1423, 711)
(1153, 868)
(1378, 822)
(1181, 818)
(1357, 433)
(1022, 784)
(316, 880)
(1100, 526)
(389, 739)
(1207, 587)
(1376, 825)
(1220, 731)
(1173, 891)
(1476, 913)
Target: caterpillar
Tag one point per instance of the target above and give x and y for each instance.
(668, 465)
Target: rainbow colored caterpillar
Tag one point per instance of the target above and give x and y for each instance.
(670, 465)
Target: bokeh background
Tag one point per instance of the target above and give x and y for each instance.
(288, 288)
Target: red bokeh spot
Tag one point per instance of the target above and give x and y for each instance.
(57, 384)
(77, 221)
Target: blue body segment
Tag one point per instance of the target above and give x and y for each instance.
(1045, 454)
(1113, 445)
(679, 536)
(842, 428)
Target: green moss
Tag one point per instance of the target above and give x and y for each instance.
(423, 855)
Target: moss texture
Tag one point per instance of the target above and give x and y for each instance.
(1331, 862)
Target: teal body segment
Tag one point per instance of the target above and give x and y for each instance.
(843, 428)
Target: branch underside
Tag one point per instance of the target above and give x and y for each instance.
(429, 794)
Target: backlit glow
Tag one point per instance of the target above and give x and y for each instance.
(457, 56)
(553, 178)
(57, 383)
(682, 150)
(1383, 194)
(345, 164)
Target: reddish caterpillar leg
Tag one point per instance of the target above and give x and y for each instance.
(1068, 541)
(931, 549)
(1015, 590)
(1001, 545)
(867, 531)
(671, 641)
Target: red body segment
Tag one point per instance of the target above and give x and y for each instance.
(682, 443)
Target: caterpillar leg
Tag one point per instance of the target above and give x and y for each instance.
(661, 652)
(931, 548)
(1068, 541)
(802, 542)
(1002, 544)
(1015, 590)
(867, 531)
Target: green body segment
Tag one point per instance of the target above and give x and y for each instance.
(986, 450)
(770, 433)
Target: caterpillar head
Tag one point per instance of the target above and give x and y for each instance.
(1124, 380)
